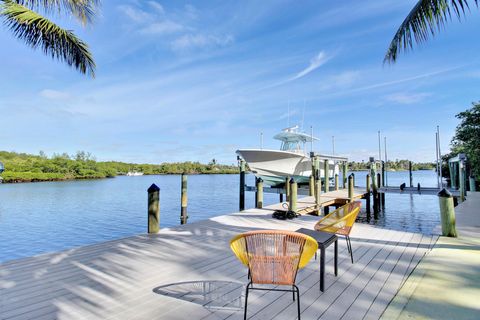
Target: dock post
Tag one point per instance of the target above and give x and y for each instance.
(293, 195)
(336, 181)
(242, 186)
(287, 189)
(318, 190)
(311, 186)
(153, 208)
(461, 179)
(344, 174)
(375, 190)
(367, 199)
(410, 173)
(350, 187)
(281, 197)
(379, 194)
(447, 213)
(184, 200)
(259, 194)
(326, 174)
(473, 187)
(353, 176)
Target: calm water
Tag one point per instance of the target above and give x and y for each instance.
(52, 216)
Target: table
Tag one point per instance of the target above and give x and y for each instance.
(324, 239)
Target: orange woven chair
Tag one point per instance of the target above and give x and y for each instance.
(341, 222)
(273, 257)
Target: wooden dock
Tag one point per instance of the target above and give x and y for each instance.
(189, 272)
(306, 205)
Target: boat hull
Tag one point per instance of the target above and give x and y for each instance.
(273, 166)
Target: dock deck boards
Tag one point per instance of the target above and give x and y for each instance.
(189, 272)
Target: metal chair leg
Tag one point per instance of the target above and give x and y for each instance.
(298, 301)
(246, 301)
(293, 290)
(350, 246)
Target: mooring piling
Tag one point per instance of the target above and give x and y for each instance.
(379, 185)
(447, 213)
(241, 201)
(311, 185)
(410, 173)
(353, 177)
(293, 195)
(336, 181)
(326, 174)
(344, 174)
(350, 187)
(184, 200)
(259, 194)
(367, 199)
(153, 208)
(287, 189)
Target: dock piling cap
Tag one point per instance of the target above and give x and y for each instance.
(153, 188)
(444, 193)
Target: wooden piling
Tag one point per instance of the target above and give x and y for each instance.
(461, 178)
(447, 213)
(184, 200)
(344, 174)
(374, 190)
(350, 188)
(281, 197)
(326, 174)
(410, 173)
(287, 189)
(336, 182)
(259, 194)
(379, 185)
(353, 176)
(293, 195)
(153, 208)
(311, 185)
(242, 186)
(367, 199)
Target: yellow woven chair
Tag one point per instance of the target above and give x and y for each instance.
(273, 257)
(341, 222)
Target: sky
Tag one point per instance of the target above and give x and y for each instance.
(197, 80)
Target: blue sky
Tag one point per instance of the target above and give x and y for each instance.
(186, 80)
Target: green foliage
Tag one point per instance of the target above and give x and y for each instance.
(397, 165)
(467, 138)
(39, 32)
(21, 167)
(425, 19)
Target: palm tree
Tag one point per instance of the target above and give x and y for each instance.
(21, 18)
(423, 21)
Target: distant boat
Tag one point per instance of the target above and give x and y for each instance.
(134, 173)
(273, 166)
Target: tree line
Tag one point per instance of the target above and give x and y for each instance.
(22, 167)
(397, 165)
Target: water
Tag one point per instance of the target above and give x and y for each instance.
(52, 216)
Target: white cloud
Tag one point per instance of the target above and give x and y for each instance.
(157, 6)
(316, 62)
(189, 41)
(407, 98)
(164, 27)
(54, 94)
(135, 14)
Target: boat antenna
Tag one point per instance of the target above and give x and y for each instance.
(379, 147)
(303, 113)
(385, 149)
(288, 114)
(311, 138)
(333, 145)
(436, 154)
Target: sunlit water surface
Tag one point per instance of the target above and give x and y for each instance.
(52, 216)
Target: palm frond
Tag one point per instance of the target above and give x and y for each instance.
(83, 10)
(38, 31)
(423, 21)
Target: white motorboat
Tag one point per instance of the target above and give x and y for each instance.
(134, 173)
(273, 166)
